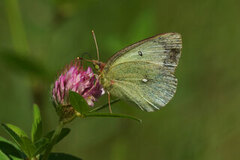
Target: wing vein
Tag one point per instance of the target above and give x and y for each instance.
(157, 64)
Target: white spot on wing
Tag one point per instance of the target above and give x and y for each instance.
(144, 80)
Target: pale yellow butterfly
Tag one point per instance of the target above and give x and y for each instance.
(144, 71)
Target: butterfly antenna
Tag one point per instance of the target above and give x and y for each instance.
(83, 59)
(95, 40)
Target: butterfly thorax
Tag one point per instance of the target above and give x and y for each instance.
(105, 81)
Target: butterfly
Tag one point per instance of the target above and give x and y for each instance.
(143, 72)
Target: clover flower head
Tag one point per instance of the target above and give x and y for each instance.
(75, 78)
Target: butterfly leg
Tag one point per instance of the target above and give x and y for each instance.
(109, 104)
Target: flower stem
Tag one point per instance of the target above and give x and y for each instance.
(53, 140)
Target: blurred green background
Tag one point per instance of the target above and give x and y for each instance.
(202, 122)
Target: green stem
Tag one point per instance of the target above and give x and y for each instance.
(53, 140)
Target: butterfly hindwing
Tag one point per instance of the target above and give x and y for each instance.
(143, 72)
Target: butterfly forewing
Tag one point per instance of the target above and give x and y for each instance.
(143, 72)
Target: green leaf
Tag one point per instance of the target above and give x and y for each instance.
(62, 156)
(28, 147)
(37, 124)
(63, 134)
(15, 133)
(21, 138)
(112, 115)
(105, 105)
(41, 145)
(78, 102)
(8, 142)
(16, 158)
(3, 156)
(9, 148)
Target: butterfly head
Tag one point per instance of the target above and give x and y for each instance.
(98, 65)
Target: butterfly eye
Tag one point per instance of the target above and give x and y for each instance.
(96, 67)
